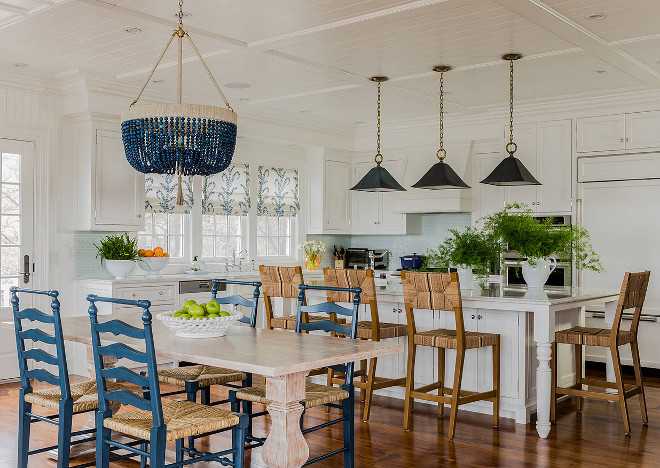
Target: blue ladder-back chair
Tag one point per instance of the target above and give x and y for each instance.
(64, 398)
(318, 395)
(172, 420)
(199, 378)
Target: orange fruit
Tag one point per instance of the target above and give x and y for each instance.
(148, 253)
(141, 253)
(157, 250)
(158, 253)
(165, 254)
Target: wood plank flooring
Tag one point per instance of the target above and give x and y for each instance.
(593, 438)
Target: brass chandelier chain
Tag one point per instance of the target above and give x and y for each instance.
(441, 152)
(511, 102)
(379, 157)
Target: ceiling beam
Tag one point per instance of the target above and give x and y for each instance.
(567, 29)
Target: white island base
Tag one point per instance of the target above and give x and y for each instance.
(526, 321)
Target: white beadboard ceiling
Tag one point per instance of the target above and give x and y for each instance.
(314, 56)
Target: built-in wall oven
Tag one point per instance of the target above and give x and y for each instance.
(561, 276)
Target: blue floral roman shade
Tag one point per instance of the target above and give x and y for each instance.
(227, 193)
(278, 192)
(160, 194)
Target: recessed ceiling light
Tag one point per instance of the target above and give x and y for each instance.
(133, 30)
(599, 72)
(237, 85)
(596, 16)
(20, 65)
(158, 81)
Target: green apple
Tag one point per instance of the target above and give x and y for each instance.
(213, 307)
(213, 316)
(178, 313)
(224, 314)
(203, 306)
(184, 316)
(196, 310)
(186, 305)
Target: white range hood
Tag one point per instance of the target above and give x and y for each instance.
(435, 201)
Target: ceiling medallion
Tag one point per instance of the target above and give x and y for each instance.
(182, 139)
(441, 175)
(378, 179)
(511, 171)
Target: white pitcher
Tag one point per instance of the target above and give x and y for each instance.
(465, 277)
(537, 275)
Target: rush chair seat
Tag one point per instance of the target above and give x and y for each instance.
(373, 330)
(283, 282)
(152, 422)
(441, 291)
(64, 398)
(200, 377)
(317, 395)
(632, 295)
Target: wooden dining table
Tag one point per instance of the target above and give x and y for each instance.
(284, 358)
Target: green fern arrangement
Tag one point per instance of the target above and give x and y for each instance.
(117, 248)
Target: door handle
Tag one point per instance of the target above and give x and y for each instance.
(26, 269)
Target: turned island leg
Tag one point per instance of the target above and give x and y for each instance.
(544, 331)
(285, 447)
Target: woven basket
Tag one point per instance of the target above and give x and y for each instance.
(204, 328)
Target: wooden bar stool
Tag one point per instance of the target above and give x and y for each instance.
(441, 291)
(373, 330)
(633, 292)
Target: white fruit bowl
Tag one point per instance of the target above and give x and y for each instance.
(203, 328)
(153, 265)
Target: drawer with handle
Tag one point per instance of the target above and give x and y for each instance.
(164, 293)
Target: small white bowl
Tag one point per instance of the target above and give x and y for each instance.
(204, 328)
(153, 265)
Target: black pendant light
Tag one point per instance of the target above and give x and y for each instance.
(441, 175)
(511, 171)
(378, 179)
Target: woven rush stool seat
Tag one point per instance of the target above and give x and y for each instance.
(387, 330)
(85, 396)
(205, 376)
(448, 339)
(315, 395)
(183, 419)
(593, 336)
(288, 322)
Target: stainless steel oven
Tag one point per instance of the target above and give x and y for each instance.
(562, 274)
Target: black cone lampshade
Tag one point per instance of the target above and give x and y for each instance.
(511, 171)
(378, 179)
(440, 176)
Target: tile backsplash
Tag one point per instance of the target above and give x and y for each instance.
(435, 228)
(85, 263)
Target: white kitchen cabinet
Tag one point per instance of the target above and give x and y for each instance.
(637, 130)
(373, 212)
(526, 139)
(488, 198)
(109, 192)
(329, 196)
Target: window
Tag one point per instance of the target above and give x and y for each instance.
(165, 230)
(275, 236)
(223, 235)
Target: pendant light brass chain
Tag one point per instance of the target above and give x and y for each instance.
(379, 157)
(180, 14)
(441, 152)
(511, 147)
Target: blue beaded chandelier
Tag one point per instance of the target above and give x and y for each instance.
(182, 139)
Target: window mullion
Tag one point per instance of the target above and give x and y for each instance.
(194, 243)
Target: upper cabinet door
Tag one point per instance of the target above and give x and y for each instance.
(488, 198)
(119, 188)
(366, 214)
(555, 163)
(603, 133)
(336, 205)
(643, 130)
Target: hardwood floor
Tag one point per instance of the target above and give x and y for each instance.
(593, 438)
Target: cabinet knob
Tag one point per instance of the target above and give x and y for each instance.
(621, 140)
(400, 311)
(133, 294)
(479, 317)
(139, 215)
(473, 316)
(627, 139)
(160, 293)
(394, 310)
(327, 222)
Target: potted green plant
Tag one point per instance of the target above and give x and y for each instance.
(118, 254)
(536, 241)
(470, 251)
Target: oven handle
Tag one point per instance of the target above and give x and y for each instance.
(642, 318)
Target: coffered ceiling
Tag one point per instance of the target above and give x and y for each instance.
(314, 57)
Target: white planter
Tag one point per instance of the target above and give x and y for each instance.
(536, 276)
(120, 269)
(465, 278)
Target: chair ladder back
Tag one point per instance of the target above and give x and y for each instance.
(119, 350)
(240, 300)
(330, 325)
(36, 335)
(632, 295)
(278, 282)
